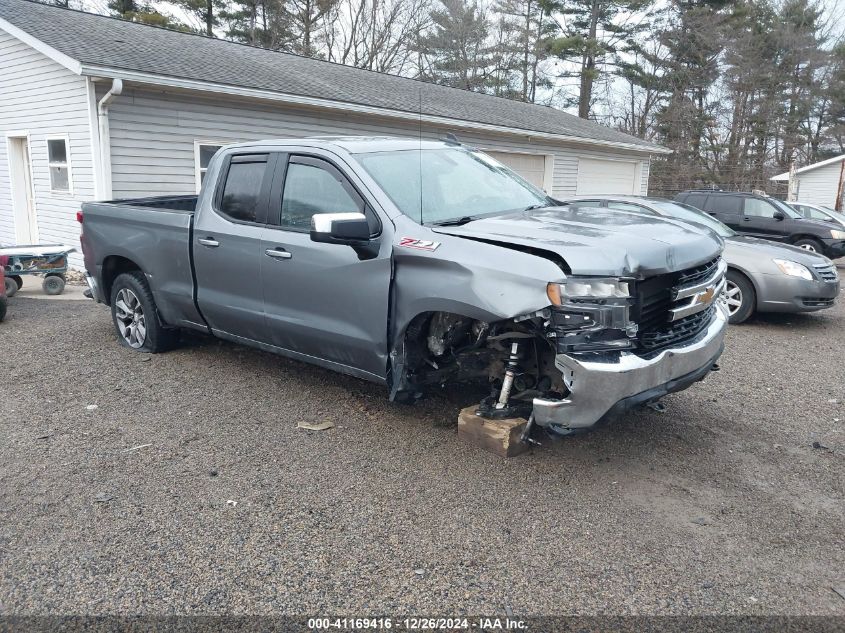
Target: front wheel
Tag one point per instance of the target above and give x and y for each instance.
(740, 297)
(53, 285)
(10, 286)
(2, 308)
(809, 244)
(135, 318)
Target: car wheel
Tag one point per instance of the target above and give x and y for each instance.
(135, 316)
(53, 285)
(10, 286)
(18, 280)
(740, 297)
(809, 245)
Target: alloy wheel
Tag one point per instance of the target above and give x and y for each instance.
(809, 247)
(733, 297)
(131, 322)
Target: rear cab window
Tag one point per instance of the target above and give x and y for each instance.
(241, 195)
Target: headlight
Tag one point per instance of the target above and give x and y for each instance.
(838, 235)
(587, 289)
(794, 269)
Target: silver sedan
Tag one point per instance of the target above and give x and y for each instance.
(763, 276)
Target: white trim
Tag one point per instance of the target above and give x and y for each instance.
(71, 64)
(100, 185)
(256, 93)
(824, 163)
(68, 164)
(33, 219)
(197, 168)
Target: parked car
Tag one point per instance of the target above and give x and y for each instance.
(768, 218)
(3, 301)
(763, 276)
(416, 264)
(818, 212)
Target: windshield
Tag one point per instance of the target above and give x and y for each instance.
(446, 184)
(789, 211)
(681, 211)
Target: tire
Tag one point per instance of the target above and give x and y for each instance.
(740, 298)
(10, 286)
(2, 308)
(809, 244)
(18, 280)
(53, 285)
(135, 316)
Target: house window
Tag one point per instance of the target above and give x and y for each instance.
(58, 160)
(204, 153)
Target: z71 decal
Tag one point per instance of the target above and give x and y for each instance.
(423, 245)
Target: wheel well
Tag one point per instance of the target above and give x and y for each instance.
(815, 238)
(112, 267)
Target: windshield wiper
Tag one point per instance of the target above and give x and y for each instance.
(536, 206)
(456, 221)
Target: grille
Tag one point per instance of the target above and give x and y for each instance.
(826, 271)
(699, 273)
(678, 331)
(654, 300)
(817, 303)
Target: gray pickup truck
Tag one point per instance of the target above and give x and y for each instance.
(416, 264)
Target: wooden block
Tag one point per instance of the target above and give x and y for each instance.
(497, 436)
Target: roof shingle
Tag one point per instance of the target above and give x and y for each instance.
(112, 43)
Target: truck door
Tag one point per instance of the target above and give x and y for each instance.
(324, 301)
(227, 247)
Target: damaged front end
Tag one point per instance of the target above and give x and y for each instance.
(603, 345)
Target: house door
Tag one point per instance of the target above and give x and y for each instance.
(23, 205)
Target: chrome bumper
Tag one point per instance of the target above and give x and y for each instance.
(598, 384)
(95, 288)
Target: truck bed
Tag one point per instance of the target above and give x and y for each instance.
(155, 235)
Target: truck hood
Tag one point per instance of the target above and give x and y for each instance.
(595, 241)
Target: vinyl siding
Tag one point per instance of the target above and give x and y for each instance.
(153, 135)
(818, 186)
(43, 98)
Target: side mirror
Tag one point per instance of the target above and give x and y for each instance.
(339, 228)
(779, 216)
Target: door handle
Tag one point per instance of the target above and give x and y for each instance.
(278, 253)
(746, 219)
(209, 241)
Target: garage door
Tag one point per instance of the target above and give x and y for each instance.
(532, 167)
(596, 176)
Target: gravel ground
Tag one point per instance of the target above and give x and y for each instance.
(189, 489)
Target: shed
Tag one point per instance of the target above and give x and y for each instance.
(94, 107)
(820, 183)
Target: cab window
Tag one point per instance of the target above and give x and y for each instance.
(756, 208)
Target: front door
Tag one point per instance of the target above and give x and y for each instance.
(758, 219)
(23, 205)
(324, 301)
(227, 248)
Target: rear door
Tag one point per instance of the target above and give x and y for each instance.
(324, 301)
(726, 209)
(227, 247)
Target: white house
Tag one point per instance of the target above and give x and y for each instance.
(93, 107)
(820, 183)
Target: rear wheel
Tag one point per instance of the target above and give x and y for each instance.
(18, 280)
(2, 308)
(135, 317)
(740, 297)
(809, 244)
(10, 286)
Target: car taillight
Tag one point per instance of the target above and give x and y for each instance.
(79, 216)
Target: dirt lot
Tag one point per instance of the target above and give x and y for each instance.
(719, 505)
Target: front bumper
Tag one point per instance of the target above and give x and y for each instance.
(834, 248)
(780, 293)
(602, 384)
